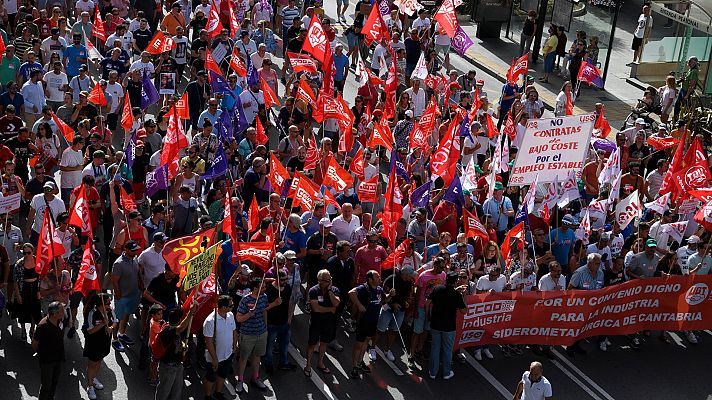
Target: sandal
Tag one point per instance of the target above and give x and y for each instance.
(307, 372)
(325, 370)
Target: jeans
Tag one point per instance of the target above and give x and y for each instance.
(170, 381)
(281, 333)
(441, 348)
(49, 377)
(525, 43)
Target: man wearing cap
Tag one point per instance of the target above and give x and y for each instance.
(644, 264)
(629, 133)
(500, 208)
(81, 82)
(96, 168)
(37, 207)
(126, 284)
(185, 212)
(150, 261)
(562, 240)
(252, 315)
(684, 252)
(320, 247)
(173, 19)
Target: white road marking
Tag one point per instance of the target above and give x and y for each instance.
(584, 376)
(709, 332)
(677, 339)
(390, 363)
(576, 380)
(488, 376)
(323, 387)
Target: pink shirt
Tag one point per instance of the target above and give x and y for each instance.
(368, 259)
(425, 284)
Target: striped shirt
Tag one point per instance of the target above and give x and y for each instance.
(288, 15)
(256, 325)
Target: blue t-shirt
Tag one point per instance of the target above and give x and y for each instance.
(508, 90)
(562, 242)
(498, 211)
(256, 325)
(27, 67)
(295, 241)
(341, 63)
(72, 53)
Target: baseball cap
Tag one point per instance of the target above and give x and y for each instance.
(680, 123)
(160, 236)
(290, 255)
(49, 185)
(408, 271)
(325, 222)
(465, 192)
(131, 245)
(451, 277)
(568, 220)
(605, 236)
(245, 269)
(498, 186)
(693, 239)
(651, 243)
(662, 127)
(54, 31)
(640, 121)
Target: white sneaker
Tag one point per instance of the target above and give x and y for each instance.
(603, 346)
(488, 353)
(691, 337)
(97, 385)
(608, 342)
(91, 393)
(449, 376)
(372, 354)
(390, 356)
(478, 354)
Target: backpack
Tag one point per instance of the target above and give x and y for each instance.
(158, 348)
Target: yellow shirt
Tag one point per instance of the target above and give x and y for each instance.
(550, 44)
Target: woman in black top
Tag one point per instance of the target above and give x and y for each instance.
(577, 56)
(27, 289)
(97, 339)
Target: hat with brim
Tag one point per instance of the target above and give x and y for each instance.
(498, 186)
(651, 243)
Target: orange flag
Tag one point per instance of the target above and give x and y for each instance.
(97, 96)
(270, 96)
(236, 62)
(253, 220)
(66, 130)
(127, 119)
(127, 200)
(181, 107)
(178, 251)
(97, 29)
(261, 136)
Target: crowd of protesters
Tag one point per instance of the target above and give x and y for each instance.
(93, 115)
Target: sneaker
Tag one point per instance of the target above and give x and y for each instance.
(372, 354)
(363, 367)
(335, 345)
(91, 393)
(390, 356)
(431, 375)
(461, 356)
(118, 346)
(608, 342)
(97, 385)
(691, 337)
(488, 353)
(126, 340)
(239, 388)
(449, 376)
(478, 354)
(71, 332)
(603, 346)
(636, 341)
(257, 382)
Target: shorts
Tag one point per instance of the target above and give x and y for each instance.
(637, 42)
(352, 41)
(442, 48)
(387, 322)
(224, 370)
(253, 346)
(125, 306)
(342, 3)
(420, 325)
(365, 329)
(321, 329)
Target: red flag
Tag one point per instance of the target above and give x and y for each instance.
(344, 117)
(303, 191)
(127, 200)
(515, 233)
(509, 129)
(2, 45)
(178, 251)
(422, 130)
(602, 124)
(302, 62)
(316, 42)
(49, 246)
(204, 295)
(234, 24)
(492, 131)
(79, 216)
(228, 225)
(89, 272)
(367, 189)
(703, 216)
(668, 185)
(520, 67)
(440, 160)
(589, 73)
(545, 215)
(97, 29)
(160, 43)
(172, 143)
(446, 17)
(329, 198)
(278, 175)
(269, 94)
(253, 216)
(569, 105)
(214, 26)
(337, 177)
(357, 164)
(181, 108)
(66, 130)
(306, 93)
(475, 105)
(660, 143)
(261, 136)
(127, 119)
(211, 64)
(397, 256)
(236, 62)
(473, 227)
(374, 29)
(389, 109)
(705, 195)
(312, 154)
(692, 177)
(97, 96)
(259, 253)
(381, 136)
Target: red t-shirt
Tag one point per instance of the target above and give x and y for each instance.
(482, 183)
(368, 259)
(442, 210)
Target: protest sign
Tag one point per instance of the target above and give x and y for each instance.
(9, 203)
(563, 317)
(200, 266)
(552, 148)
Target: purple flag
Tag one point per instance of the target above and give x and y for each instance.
(219, 166)
(149, 94)
(223, 126)
(157, 180)
(252, 77)
(465, 128)
(603, 144)
(383, 8)
(461, 42)
(420, 196)
(240, 123)
(130, 151)
(219, 84)
(522, 215)
(400, 168)
(454, 194)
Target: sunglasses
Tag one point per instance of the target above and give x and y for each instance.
(27, 253)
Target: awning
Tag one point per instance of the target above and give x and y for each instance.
(699, 16)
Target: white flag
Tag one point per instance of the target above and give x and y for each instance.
(469, 176)
(552, 195)
(611, 169)
(583, 232)
(675, 230)
(361, 73)
(93, 52)
(531, 194)
(491, 181)
(421, 70)
(504, 165)
(407, 7)
(628, 209)
(615, 191)
(496, 164)
(569, 190)
(597, 209)
(659, 205)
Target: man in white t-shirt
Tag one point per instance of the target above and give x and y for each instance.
(144, 64)
(84, 6)
(150, 261)
(422, 23)
(442, 44)
(114, 88)
(601, 247)
(534, 386)
(220, 333)
(38, 204)
(645, 24)
(417, 97)
(53, 44)
(494, 281)
(380, 54)
(70, 167)
(57, 84)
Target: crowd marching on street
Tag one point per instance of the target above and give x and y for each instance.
(181, 179)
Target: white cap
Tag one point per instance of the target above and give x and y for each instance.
(409, 113)
(693, 239)
(325, 222)
(640, 121)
